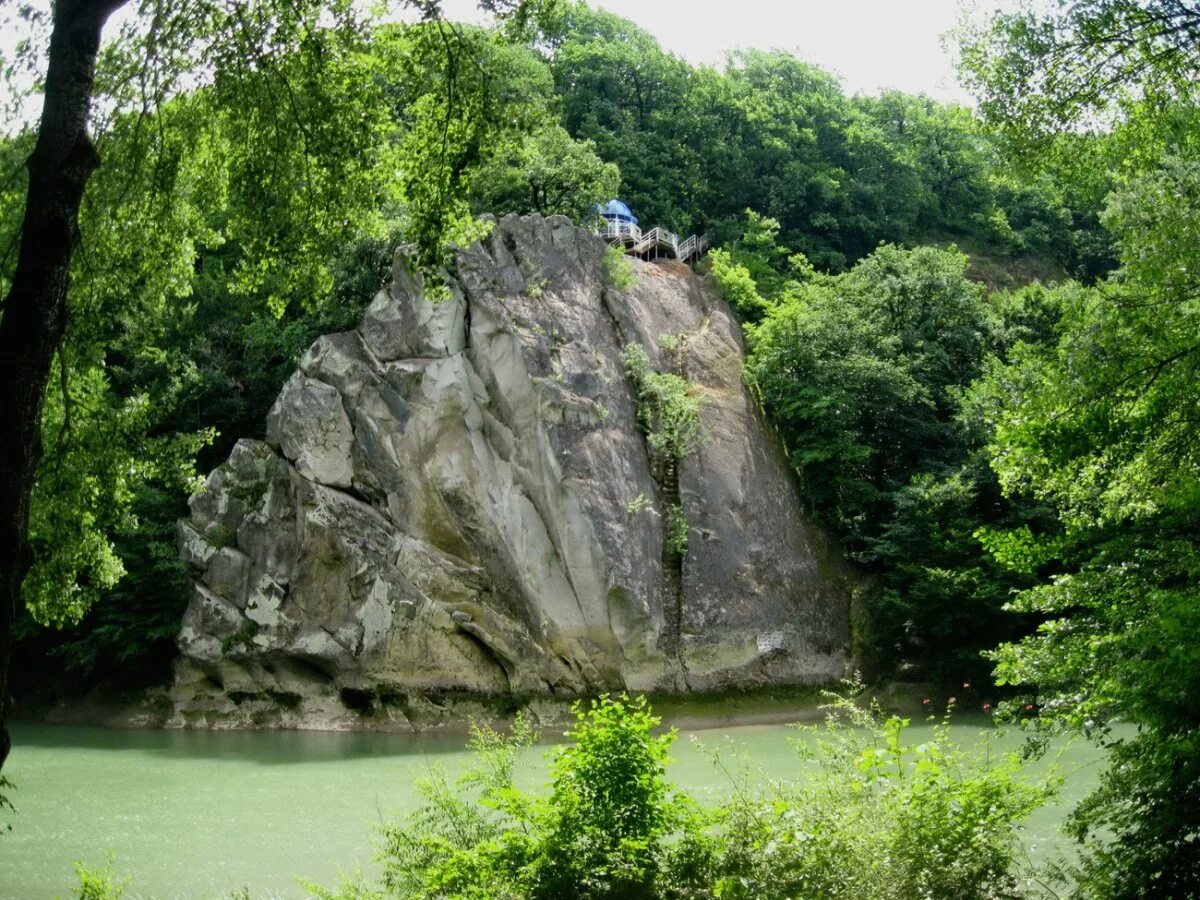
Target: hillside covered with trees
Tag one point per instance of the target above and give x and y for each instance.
(791, 175)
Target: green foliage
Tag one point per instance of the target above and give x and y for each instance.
(546, 173)
(755, 272)
(618, 269)
(669, 342)
(620, 91)
(1043, 73)
(456, 819)
(128, 636)
(638, 504)
(255, 176)
(942, 598)
(1035, 450)
(100, 883)
(835, 175)
(870, 815)
(677, 531)
(1099, 422)
(863, 375)
(878, 817)
(946, 158)
(1098, 425)
(456, 93)
(668, 408)
(1139, 827)
(612, 805)
(601, 831)
(100, 456)
(737, 285)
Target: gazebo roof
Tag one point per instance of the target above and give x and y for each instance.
(617, 209)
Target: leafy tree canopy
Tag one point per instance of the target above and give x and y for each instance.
(1100, 423)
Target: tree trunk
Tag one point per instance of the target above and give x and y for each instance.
(34, 315)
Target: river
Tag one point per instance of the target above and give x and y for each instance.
(195, 814)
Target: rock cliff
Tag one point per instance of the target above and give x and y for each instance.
(456, 506)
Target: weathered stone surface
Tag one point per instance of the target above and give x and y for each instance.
(455, 503)
(309, 424)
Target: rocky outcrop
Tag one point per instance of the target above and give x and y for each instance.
(455, 507)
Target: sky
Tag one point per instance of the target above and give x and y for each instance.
(870, 44)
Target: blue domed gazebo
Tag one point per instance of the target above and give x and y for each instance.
(617, 211)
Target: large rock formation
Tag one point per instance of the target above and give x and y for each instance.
(455, 506)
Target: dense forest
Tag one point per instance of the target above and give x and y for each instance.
(800, 183)
(975, 332)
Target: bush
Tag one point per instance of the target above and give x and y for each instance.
(876, 817)
(737, 286)
(668, 410)
(618, 269)
(100, 883)
(870, 817)
(601, 832)
(677, 531)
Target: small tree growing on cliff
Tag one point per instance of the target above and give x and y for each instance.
(668, 407)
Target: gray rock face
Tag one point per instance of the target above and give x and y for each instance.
(455, 507)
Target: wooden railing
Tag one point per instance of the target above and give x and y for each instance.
(656, 241)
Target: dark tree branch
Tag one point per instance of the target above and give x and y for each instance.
(35, 309)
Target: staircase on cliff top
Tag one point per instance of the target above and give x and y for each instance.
(621, 229)
(654, 243)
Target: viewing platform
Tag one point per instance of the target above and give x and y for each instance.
(621, 229)
(653, 244)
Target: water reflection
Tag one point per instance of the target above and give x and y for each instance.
(262, 747)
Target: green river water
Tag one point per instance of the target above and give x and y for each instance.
(199, 814)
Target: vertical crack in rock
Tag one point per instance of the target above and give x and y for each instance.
(454, 504)
(526, 478)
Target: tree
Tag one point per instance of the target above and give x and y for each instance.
(863, 373)
(546, 173)
(1039, 76)
(1101, 425)
(234, 44)
(771, 133)
(35, 307)
(622, 92)
(945, 148)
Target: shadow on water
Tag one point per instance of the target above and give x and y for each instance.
(291, 747)
(261, 747)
